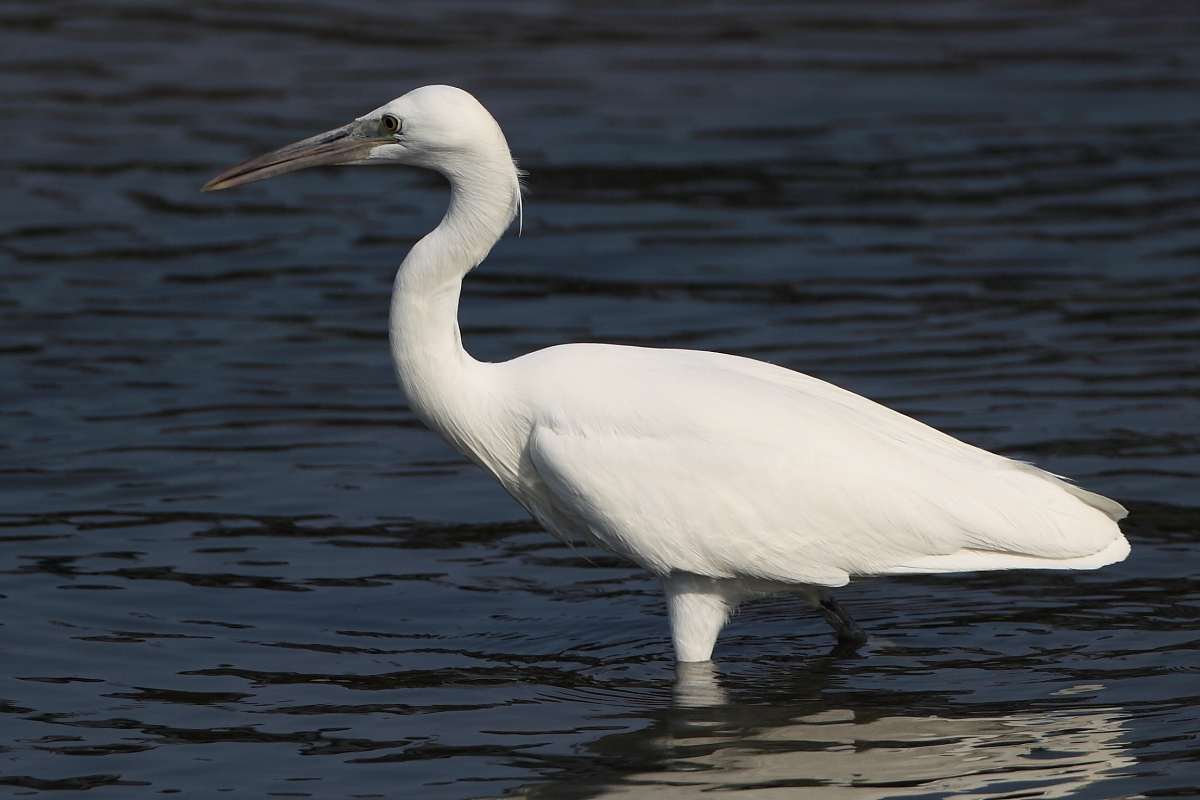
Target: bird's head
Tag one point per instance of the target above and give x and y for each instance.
(437, 127)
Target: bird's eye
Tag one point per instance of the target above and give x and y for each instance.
(390, 123)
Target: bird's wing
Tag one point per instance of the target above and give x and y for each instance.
(732, 468)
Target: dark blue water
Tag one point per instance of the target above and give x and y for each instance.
(235, 563)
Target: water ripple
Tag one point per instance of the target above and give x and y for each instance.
(233, 547)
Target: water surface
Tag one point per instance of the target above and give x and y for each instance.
(234, 562)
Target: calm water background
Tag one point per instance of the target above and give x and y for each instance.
(234, 563)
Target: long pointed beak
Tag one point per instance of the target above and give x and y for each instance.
(345, 145)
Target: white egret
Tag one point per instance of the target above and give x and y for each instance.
(728, 478)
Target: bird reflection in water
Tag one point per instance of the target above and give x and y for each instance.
(806, 749)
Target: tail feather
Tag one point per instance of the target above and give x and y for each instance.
(978, 560)
(1114, 510)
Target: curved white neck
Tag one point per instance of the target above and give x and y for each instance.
(442, 382)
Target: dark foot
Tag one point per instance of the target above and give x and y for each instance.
(845, 650)
(849, 635)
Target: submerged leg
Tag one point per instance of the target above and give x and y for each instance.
(697, 610)
(847, 630)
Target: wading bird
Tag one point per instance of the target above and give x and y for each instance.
(728, 478)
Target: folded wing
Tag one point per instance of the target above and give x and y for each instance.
(728, 467)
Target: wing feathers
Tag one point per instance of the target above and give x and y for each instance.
(732, 468)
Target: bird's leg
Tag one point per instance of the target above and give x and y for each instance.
(847, 630)
(697, 610)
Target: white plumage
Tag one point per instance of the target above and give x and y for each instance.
(729, 478)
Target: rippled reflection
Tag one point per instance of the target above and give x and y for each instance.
(706, 743)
